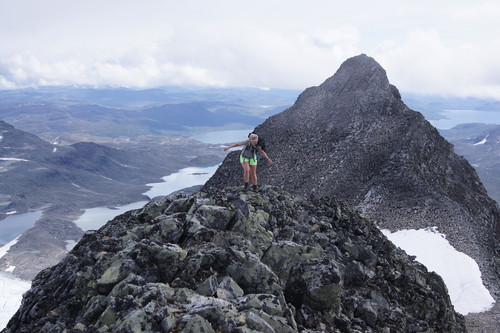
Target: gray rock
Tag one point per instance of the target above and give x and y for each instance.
(366, 312)
(208, 287)
(270, 304)
(230, 285)
(196, 324)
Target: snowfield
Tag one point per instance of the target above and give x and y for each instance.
(460, 272)
(13, 159)
(11, 290)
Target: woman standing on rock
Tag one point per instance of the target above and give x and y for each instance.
(248, 159)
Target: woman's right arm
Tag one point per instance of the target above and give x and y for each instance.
(234, 145)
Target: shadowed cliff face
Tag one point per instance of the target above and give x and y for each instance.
(352, 138)
(228, 261)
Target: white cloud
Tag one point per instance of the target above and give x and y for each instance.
(478, 12)
(423, 62)
(431, 47)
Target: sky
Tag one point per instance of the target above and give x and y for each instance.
(444, 47)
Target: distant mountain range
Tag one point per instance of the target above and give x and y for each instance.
(74, 114)
(63, 180)
(480, 145)
(36, 172)
(431, 106)
(62, 112)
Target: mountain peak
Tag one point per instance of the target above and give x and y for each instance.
(359, 90)
(352, 138)
(359, 74)
(5, 126)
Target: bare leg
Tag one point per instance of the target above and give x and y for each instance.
(253, 173)
(246, 171)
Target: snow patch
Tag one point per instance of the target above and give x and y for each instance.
(482, 142)
(56, 141)
(460, 272)
(13, 159)
(54, 150)
(11, 289)
(11, 212)
(4, 249)
(70, 244)
(11, 295)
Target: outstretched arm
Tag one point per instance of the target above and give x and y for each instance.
(235, 145)
(263, 153)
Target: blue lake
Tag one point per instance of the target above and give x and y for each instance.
(455, 117)
(229, 136)
(16, 224)
(186, 177)
(94, 218)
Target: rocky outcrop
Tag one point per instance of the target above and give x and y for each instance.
(228, 261)
(353, 138)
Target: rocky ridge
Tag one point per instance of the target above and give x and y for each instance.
(353, 138)
(228, 261)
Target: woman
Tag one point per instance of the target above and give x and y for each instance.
(248, 159)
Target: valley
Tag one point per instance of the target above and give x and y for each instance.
(64, 150)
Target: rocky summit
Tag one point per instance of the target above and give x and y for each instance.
(232, 261)
(354, 139)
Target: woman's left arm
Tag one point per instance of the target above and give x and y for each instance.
(263, 153)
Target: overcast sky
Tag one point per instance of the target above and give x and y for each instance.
(446, 47)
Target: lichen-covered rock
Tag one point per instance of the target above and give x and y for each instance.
(237, 262)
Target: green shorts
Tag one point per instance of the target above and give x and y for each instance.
(251, 161)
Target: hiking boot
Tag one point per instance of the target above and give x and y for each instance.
(254, 188)
(245, 188)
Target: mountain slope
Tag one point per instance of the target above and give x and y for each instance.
(36, 173)
(232, 262)
(354, 139)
